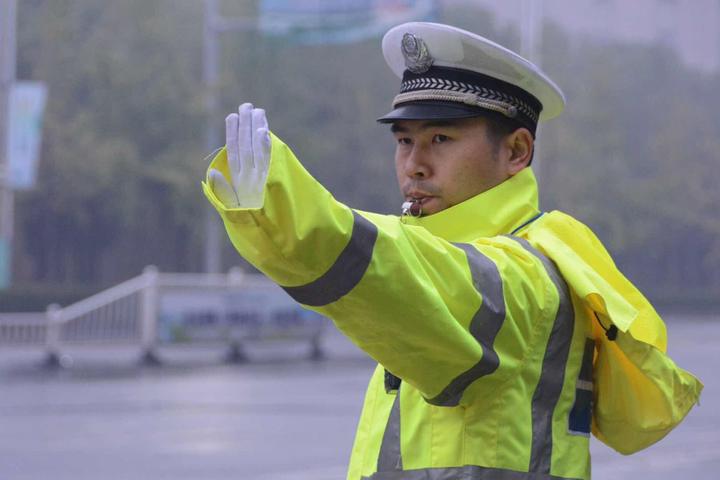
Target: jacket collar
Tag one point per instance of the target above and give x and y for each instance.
(497, 211)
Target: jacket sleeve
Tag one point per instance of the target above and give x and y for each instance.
(450, 319)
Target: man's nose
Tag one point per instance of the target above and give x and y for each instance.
(416, 163)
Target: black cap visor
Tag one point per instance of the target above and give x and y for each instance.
(430, 110)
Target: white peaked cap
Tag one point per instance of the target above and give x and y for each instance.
(451, 51)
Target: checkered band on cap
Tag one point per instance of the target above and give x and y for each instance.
(442, 84)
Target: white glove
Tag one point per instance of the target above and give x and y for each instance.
(247, 140)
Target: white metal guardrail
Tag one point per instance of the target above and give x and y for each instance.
(169, 308)
(23, 328)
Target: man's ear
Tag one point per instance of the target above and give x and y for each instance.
(520, 144)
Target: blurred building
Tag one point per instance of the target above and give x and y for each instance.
(691, 27)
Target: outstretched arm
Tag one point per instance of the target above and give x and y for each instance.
(449, 319)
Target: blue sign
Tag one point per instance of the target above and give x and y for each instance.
(26, 106)
(339, 21)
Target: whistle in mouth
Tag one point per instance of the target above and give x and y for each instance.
(413, 208)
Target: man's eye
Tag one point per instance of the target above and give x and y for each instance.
(440, 138)
(403, 141)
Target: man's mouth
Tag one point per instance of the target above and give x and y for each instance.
(419, 197)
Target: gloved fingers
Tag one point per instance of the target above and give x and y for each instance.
(231, 143)
(260, 128)
(262, 148)
(223, 191)
(259, 119)
(245, 137)
(248, 149)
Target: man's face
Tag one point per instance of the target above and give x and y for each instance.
(444, 162)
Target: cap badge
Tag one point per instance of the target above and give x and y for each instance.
(415, 51)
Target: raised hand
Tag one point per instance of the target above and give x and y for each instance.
(247, 141)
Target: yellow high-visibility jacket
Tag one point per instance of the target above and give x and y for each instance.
(488, 321)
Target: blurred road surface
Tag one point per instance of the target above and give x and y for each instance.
(280, 417)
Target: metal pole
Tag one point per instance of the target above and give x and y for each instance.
(149, 299)
(212, 140)
(530, 32)
(52, 336)
(214, 25)
(530, 46)
(8, 19)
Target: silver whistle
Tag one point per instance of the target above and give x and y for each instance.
(412, 208)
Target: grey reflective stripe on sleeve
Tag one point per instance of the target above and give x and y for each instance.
(390, 458)
(484, 326)
(467, 472)
(346, 272)
(549, 387)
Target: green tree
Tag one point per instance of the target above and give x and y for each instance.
(635, 155)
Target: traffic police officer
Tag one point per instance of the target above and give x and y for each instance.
(503, 335)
